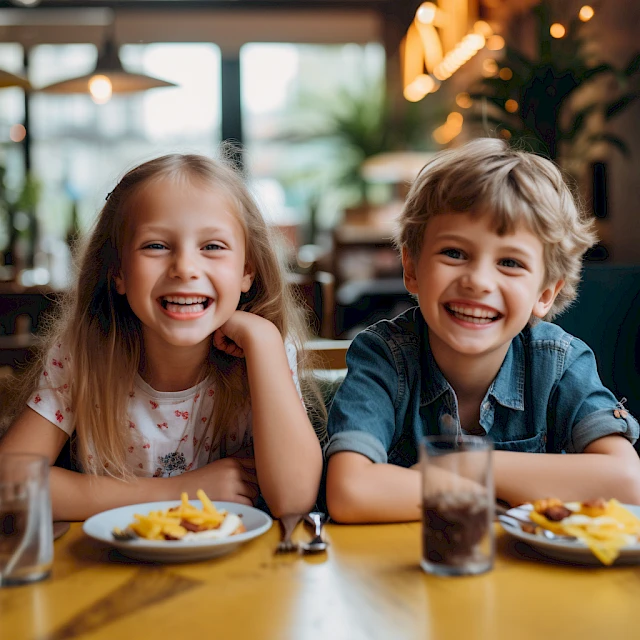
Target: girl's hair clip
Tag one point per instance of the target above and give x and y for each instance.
(620, 411)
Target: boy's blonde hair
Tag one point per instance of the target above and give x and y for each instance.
(104, 336)
(488, 176)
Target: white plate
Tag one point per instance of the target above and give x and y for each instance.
(100, 526)
(574, 551)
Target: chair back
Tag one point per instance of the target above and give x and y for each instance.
(606, 316)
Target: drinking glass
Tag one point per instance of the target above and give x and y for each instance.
(26, 527)
(457, 505)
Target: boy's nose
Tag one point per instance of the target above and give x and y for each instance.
(478, 278)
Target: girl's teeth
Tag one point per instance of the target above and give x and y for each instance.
(184, 308)
(181, 300)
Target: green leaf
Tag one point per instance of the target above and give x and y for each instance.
(633, 66)
(619, 105)
(578, 121)
(612, 140)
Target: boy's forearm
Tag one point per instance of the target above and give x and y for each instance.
(77, 496)
(524, 477)
(372, 492)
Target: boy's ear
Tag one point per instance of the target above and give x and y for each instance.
(409, 272)
(547, 298)
(247, 278)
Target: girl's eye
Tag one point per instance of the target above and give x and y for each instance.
(212, 246)
(510, 263)
(456, 254)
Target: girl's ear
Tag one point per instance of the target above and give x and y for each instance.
(247, 278)
(547, 298)
(409, 272)
(119, 280)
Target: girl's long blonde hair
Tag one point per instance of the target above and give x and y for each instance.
(104, 336)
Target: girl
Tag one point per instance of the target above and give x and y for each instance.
(169, 367)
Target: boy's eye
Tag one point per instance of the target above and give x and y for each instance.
(456, 254)
(154, 245)
(510, 263)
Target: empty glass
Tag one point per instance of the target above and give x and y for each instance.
(457, 505)
(26, 528)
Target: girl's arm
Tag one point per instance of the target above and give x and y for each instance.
(608, 468)
(287, 452)
(76, 496)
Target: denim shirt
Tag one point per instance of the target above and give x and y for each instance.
(547, 396)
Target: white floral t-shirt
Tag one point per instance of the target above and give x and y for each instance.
(167, 433)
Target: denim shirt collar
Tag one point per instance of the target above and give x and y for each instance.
(507, 387)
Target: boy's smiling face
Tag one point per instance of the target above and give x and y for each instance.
(477, 290)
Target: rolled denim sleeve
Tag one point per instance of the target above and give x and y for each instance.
(584, 407)
(362, 416)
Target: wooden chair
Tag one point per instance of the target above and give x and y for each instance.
(330, 354)
(316, 290)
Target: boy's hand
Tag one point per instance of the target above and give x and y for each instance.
(234, 335)
(228, 480)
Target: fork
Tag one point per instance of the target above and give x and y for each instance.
(316, 519)
(123, 535)
(288, 523)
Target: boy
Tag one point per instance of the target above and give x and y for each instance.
(491, 243)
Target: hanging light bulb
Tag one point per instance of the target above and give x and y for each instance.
(100, 89)
(107, 78)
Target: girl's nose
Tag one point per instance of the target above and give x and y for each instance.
(183, 266)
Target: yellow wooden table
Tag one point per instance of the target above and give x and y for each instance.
(368, 586)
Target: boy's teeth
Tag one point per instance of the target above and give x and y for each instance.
(473, 314)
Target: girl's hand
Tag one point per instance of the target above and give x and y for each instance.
(228, 480)
(235, 335)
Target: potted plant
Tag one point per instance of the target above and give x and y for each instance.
(533, 99)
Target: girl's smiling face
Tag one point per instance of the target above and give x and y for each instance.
(477, 289)
(183, 262)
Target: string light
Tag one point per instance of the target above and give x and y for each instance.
(450, 129)
(489, 67)
(463, 100)
(419, 88)
(586, 13)
(511, 105)
(557, 30)
(495, 43)
(505, 73)
(426, 13)
(483, 28)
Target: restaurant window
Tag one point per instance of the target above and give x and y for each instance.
(80, 148)
(11, 133)
(296, 84)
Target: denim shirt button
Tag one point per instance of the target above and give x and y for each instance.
(486, 406)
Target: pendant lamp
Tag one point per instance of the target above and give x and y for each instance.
(11, 80)
(108, 77)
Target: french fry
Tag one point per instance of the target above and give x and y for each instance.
(604, 539)
(170, 524)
